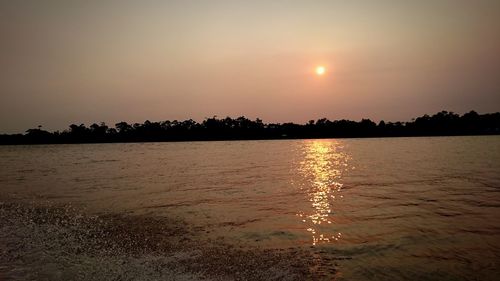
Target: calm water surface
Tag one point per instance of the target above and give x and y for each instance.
(382, 209)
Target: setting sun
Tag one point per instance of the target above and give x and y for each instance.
(320, 70)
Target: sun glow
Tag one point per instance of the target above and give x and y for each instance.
(320, 70)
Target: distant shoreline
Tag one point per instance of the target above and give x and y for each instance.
(260, 139)
(228, 129)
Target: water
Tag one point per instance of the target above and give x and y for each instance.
(378, 209)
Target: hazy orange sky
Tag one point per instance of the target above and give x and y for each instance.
(64, 62)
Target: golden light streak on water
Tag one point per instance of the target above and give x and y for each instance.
(322, 167)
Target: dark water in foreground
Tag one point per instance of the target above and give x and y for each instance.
(378, 209)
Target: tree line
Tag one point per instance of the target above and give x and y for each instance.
(443, 123)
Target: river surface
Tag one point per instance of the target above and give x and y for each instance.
(384, 209)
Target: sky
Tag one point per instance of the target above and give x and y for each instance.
(64, 62)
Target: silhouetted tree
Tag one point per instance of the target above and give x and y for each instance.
(441, 123)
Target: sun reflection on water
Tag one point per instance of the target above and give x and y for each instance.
(321, 170)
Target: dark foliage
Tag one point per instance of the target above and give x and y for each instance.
(440, 124)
